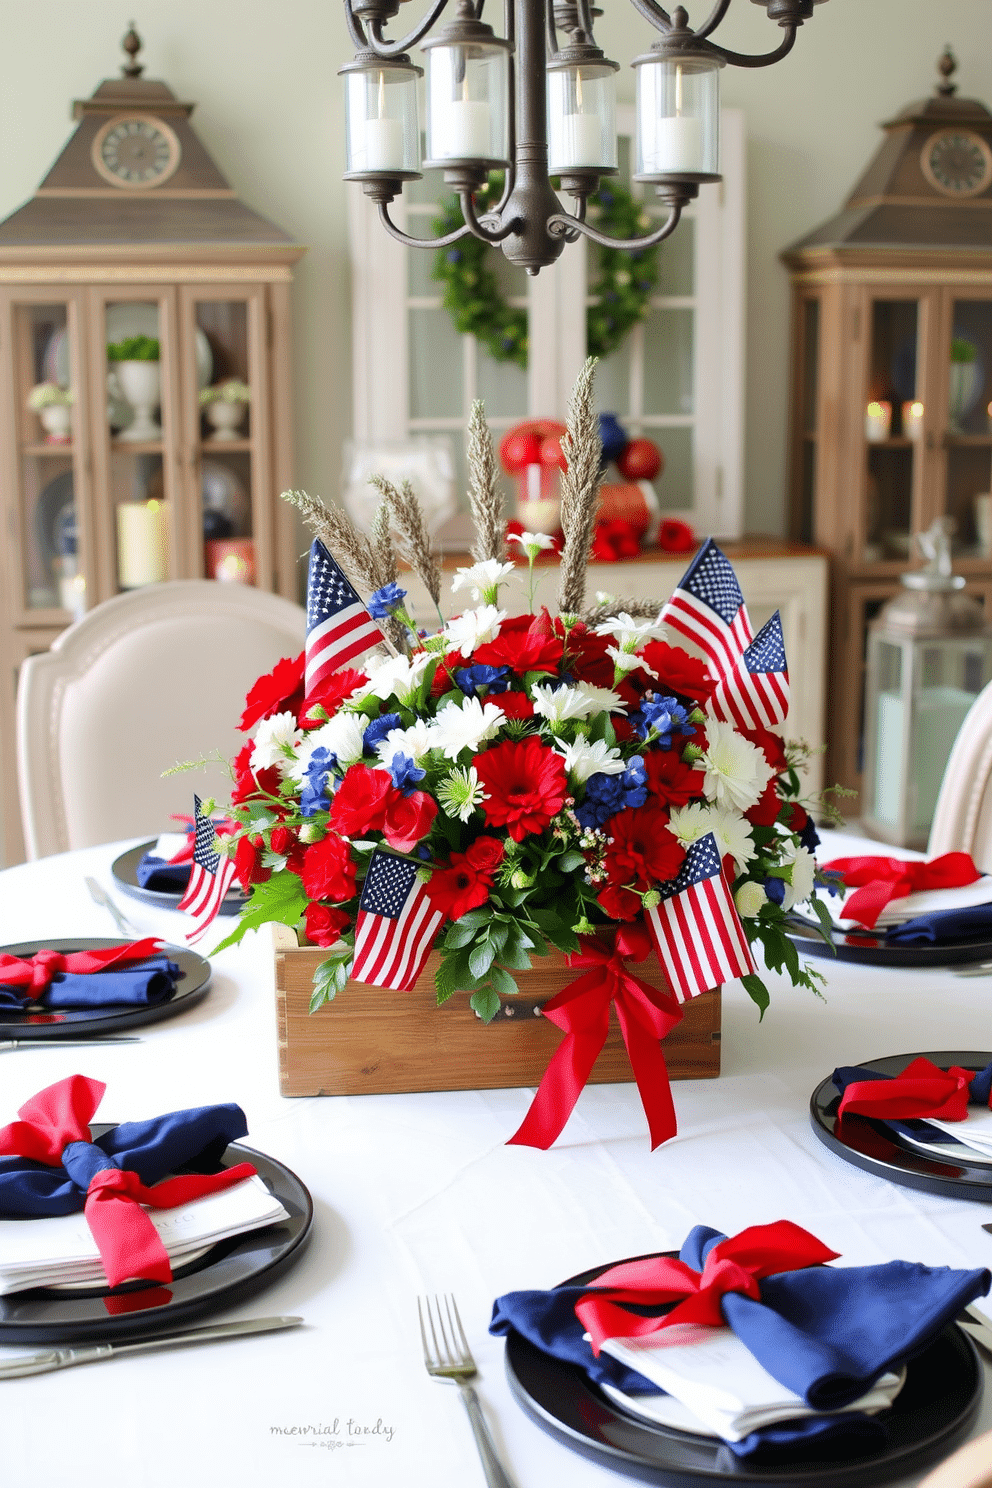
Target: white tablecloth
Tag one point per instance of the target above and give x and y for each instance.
(418, 1193)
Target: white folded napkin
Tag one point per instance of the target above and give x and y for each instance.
(720, 1383)
(62, 1251)
(929, 901)
(975, 1131)
(168, 845)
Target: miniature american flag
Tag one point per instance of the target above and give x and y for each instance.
(210, 877)
(396, 924)
(708, 608)
(696, 930)
(339, 627)
(755, 692)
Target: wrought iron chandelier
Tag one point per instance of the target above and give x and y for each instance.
(563, 121)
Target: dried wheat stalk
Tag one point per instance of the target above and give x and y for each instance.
(381, 545)
(580, 485)
(339, 535)
(638, 609)
(484, 494)
(415, 542)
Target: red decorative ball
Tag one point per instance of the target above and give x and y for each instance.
(518, 450)
(641, 460)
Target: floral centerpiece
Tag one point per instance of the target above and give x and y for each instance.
(508, 783)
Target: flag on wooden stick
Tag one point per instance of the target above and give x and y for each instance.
(708, 608)
(339, 627)
(396, 924)
(210, 877)
(696, 929)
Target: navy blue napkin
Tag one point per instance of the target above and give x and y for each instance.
(910, 1126)
(826, 1333)
(195, 1140)
(943, 927)
(143, 984)
(161, 876)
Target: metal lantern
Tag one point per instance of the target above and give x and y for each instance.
(929, 656)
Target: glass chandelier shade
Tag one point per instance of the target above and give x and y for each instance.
(381, 119)
(678, 117)
(468, 92)
(582, 113)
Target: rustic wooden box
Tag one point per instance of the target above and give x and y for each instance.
(370, 1041)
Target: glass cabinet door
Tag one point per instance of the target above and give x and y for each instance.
(47, 444)
(224, 337)
(134, 394)
(968, 438)
(893, 429)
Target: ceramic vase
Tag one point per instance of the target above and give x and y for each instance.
(141, 385)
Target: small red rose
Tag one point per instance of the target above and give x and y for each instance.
(323, 924)
(408, 819)
(328, 871)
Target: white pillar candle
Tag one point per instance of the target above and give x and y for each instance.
(383, 145)
(466, 130)
(878, 422)
(912, 420)
(141, 543)
(675, 145)
(580, 141)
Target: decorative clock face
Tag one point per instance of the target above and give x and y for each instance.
(957, 162)
(135, 151)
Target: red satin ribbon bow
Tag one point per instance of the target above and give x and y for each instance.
(582, 1011)
(923, 1089)
(880, 880)
(38, 970)
(733, 1265)
(128, 1242)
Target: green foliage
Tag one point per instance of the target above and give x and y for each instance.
(133, 349)
(622, 286)
(330, 977)
(282, 899)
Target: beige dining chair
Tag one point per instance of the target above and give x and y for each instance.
(962, 820)
(969, 1467)
(148, 679)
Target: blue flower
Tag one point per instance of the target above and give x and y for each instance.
(313, 796)
(404, 772)
(386, 601)
(453, 255)
(775, 889)
(666, 715)
(809, 837)
(635, 783)
(470, 679)
(378, 729)
(608, 794)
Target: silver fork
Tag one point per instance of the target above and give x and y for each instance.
(447, 1356)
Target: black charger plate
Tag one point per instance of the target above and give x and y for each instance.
(930, 1415)
(81, 1022)
(228, 1273)
(874, 1146)
(124, 871)
(874, 950)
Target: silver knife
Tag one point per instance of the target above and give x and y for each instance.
(64, 1358)
(100, 896)
(977, 1325)
(56, 1043)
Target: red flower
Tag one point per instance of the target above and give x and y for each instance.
(526, 786)
(670, 780)
(644, 852)
(248, 863)
(408, 819)
(279, 691)
(514, 704)
(330, 695)
(527, 643)
(328, 871)
(614, 540)
(587, 658)
(466, 881)
(282, 840)
(765, 810)
(619, 904)
(678, 671)
(324, 924)
(444, 679)
(247, 785)
(771, 745)
(360, 802)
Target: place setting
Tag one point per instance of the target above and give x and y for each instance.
(752, 1358)
(157, 872)
(110, 1233)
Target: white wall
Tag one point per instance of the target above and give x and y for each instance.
(269, 109)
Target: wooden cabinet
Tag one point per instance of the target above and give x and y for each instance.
(134, 307)
(891, 421)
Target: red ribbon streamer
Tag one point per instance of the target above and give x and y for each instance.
(126, 1238)
(38, 970)
(923, 1089)
(582, 1011)
(880, 880)
(733, 1265)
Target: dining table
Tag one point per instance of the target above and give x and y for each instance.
(417, 1194)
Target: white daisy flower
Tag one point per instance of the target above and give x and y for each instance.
(461, 792)
(803, 866)
(395, 676)
(604, 699)
(584, 758)
(342, 736)
(690, 822)
(733, 836)
(735, 770)
(456, 728)
(475, 628)
(275, 743)
(482, 578)
(629, 632)
(532, 542)
(557, 704)
(625, 661)
(414, 742)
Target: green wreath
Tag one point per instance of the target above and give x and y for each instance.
(622, 287)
